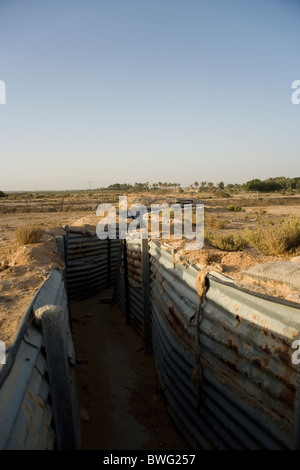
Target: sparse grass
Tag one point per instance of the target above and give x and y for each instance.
(28, 234)
(270, 222)
(262, 212)
(232, 242)
(277, 240)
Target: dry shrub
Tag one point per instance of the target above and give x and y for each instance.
(278, 240)
(28, 234)
(213, 221)
(232, 242)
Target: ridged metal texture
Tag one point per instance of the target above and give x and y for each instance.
(135, 286)
(244, 392)
(26, 402)
(91, 263)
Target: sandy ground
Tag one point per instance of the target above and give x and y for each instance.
(23, 269)
(121, 405)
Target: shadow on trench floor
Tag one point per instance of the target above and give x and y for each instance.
(121, 405)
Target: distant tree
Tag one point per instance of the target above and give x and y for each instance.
(221, 185)
(2, 194)
(265, 186)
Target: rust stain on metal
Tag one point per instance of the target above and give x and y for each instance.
(257, 362)
(231, 345)
(266, 349)
(284, 355)
(178, 326)
(287, 396)
(231, 365)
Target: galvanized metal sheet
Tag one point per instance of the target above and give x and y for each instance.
(90, 263)
(245, 345)
(26, 414)
(135, 286)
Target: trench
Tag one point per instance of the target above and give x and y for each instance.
(121, 404)
(215, 405)
(121, 297)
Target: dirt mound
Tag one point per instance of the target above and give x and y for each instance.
(279, 279)
(22, 274)
(268, 275)
(90, 221)
(37, 255)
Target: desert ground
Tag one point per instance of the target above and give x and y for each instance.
(24, 267)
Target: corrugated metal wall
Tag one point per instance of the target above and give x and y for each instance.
(225, 370)
(231, 384)
(27, 405)
(134, 285)
(91, 263)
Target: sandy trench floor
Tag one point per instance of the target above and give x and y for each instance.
(122, 407)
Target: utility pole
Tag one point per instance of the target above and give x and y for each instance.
(90, 183)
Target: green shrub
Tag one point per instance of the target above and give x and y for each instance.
(221, 193)
(232, 242)
(234, 208)
(277, 240)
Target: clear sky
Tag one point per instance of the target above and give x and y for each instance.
(115, 91)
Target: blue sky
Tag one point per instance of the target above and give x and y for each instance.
(147, 90)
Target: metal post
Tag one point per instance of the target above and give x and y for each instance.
(108, 263)
(127, 302)
(296, 433)
(146, 295)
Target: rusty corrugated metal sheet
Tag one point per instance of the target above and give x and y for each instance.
(247, 397)
(135, 286)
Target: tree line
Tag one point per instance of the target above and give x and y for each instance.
(278, 184)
